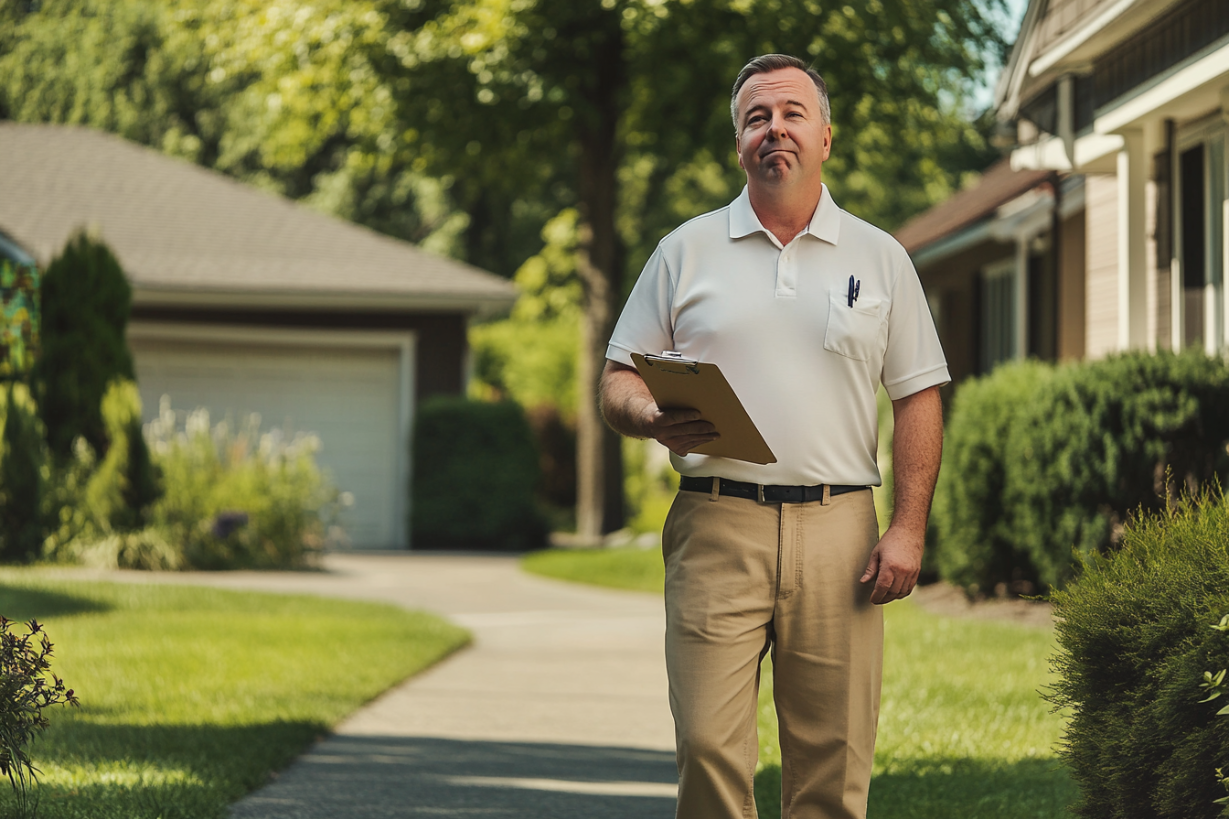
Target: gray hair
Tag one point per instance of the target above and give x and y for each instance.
(776, 62)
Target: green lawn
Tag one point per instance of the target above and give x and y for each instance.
(962, 730)
(191, 697)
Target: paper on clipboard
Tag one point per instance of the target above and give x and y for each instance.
(678, 383)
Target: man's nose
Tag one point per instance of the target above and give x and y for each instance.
(776, 128)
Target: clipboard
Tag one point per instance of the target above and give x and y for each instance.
(678, 383)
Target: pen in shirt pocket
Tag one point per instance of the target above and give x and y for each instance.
(855, 287)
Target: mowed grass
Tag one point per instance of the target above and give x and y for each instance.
(963, 731)
(192, 697)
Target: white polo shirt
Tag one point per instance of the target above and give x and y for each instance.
(777, 321)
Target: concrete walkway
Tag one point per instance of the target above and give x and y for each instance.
(558, 709)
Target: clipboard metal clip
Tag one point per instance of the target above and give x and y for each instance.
(669, 357)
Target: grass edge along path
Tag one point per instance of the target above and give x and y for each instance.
(962, 728)
(192, 697)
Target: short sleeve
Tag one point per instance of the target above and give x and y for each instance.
(914, 360)
(644, 326)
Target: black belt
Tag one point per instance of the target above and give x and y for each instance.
(772, 494)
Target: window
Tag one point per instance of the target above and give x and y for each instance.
(998, 314)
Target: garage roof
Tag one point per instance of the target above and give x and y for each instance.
(187, 235)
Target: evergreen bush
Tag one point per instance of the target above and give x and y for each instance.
(1042, 462)
(975, 544)
(85, 302)
(1137, 632)
(475, 476)
(22, 459)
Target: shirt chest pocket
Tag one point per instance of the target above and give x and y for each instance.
(853, 331)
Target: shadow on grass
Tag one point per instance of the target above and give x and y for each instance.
(136, 771)
(196, 772)
(23, 604)
(941, 789)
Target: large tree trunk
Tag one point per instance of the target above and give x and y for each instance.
(599, 460)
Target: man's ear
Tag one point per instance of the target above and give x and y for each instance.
(738, 151)
(827, 141)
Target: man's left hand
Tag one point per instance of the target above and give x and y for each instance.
(894, 565)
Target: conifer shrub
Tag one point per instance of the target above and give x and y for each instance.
(22, 459)
(85, 302)
(475, 477)
(1137, 631)
(1043, 463)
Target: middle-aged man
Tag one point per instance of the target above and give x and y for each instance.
(807, 310)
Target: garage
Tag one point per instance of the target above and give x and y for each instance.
(352, 394)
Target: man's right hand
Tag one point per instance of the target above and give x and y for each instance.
(679, 430)
(629, 408)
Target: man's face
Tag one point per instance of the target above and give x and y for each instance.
(782, 139)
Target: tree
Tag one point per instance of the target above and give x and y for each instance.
(626, 101)
(85, 304)
(467, 125)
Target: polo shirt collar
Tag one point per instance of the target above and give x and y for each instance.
(825, 223)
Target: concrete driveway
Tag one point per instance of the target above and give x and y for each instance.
(558, 709)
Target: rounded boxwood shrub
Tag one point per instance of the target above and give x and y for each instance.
(974, 545)
(475, 477)
(1043, 463)
(1136, 634)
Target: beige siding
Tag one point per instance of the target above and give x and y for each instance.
(1063, 16)
(1152, 283)
(1101, 223)
(1072, 289)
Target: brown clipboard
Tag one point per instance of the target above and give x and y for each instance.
(677, 383)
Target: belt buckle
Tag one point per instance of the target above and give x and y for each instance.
(759, 488)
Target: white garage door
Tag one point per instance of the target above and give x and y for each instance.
(351, 398)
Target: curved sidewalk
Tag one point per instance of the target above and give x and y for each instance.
(558, 709)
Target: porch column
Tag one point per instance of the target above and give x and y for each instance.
(1132, 278)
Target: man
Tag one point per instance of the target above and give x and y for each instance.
(806, 309)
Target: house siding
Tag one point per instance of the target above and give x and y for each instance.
(1072, 288)
(1101, 271)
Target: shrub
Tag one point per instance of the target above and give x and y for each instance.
(21, 479)
(24, 693)
(974, 541)
(475, 475)
(85, 301)
(1042, 461)
(94, 499)
(237, 498)
(1134, 642)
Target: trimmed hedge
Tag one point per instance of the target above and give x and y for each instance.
(475, 477)
(1135, 638)
(1043, 461)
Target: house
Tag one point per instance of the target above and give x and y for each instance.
(1118, 111)
(245, 302)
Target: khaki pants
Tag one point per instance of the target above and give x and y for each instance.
(742, 577)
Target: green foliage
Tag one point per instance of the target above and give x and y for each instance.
(22, 461)
(975, 535)
(19, 318)
(1045, 461)
(25, 663)
(1135, 643)
(85, 304)
(475, 472)
(107, 499)
(239, 498)
(197, 696)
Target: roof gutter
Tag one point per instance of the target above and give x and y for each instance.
(486, 305)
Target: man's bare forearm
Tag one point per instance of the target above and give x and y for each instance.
(917, 446)
(625, 401)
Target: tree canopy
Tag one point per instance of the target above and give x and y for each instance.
(468, 125)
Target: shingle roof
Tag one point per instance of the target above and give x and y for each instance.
(997, 186)
(184, 233)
